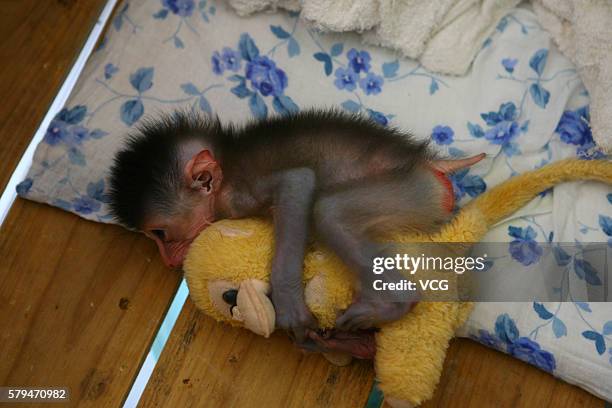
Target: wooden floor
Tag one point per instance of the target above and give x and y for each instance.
(81, 302)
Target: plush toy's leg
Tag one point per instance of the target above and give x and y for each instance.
(506, 198)
(411, 352)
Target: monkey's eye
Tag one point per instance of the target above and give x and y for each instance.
(230, 297)
(159, 233)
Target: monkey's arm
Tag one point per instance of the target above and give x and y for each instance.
(292, 193)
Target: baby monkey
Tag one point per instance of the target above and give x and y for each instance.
(340, 176)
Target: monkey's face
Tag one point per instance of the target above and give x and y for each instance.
(193, 210)
(174, 233)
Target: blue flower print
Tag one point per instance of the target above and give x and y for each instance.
(346, 79)
(442, 135)
(464, 183)
(182, 8)
(530, 352)
(266, 77)
(505, 328)
(503, 128)
(371, 84)
(78, 134)
(509, 64)
(573, 128)
(227, 59)
(507, 336)
(66, 128)
(231, 59)
(502, 133)
(488, 339)
(217, 63)
(359, 61)
(24, 187)
(86, 205)
(110, 70)
(378, 117)
(524, 248)
(56, 132)
(258, 77)
(506, 112)
(92, 202)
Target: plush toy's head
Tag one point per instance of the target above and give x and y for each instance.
(228, 270)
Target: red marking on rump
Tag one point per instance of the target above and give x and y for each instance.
(448, 202)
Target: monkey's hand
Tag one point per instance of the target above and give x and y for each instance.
(292, 314)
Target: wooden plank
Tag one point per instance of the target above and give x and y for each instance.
(81, 303)
(206, 363)
(40, 41)
(210, 364)
(476, 376)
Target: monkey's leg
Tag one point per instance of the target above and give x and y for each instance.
(348, 220)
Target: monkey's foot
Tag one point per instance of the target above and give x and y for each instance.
(360, 344)
(367, 313)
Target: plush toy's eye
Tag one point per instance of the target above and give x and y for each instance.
(230, 297)
(224, 296)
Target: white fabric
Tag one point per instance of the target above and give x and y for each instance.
(583, 31)
(445, 35)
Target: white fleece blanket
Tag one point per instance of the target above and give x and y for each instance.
(445, 35)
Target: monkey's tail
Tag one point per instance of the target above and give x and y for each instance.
(504, 199)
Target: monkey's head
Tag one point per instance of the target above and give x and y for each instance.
(164, 182)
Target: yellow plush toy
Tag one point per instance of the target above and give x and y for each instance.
(234, 257)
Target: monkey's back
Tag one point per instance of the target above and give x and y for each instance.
(337, 146)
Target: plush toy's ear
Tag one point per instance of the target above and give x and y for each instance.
(202, 172)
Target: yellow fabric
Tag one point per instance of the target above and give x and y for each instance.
(410, 352)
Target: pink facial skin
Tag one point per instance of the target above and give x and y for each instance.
(179, 233)
(174, 233)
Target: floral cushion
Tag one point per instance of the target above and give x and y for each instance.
(522, 103)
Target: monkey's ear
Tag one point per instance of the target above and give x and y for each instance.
(449, 166)
(202, 172)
